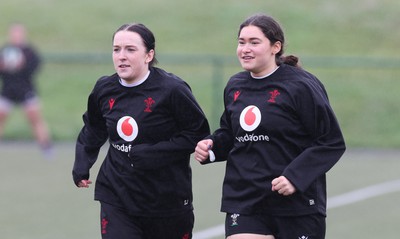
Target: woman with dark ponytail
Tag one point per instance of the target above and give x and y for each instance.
(279, 136)
(152, 123)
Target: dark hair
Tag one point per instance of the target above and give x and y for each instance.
(146, 35)
(273, 31)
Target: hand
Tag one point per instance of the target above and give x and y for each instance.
(84, 183)
(201, 152)
(283, 186)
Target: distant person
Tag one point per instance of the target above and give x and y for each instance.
(19, 62)
(279, 136)
(152, 122)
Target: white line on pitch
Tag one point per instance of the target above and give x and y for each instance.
(333, 202)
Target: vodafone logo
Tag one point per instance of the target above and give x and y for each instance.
(250, 118)
(127, 128)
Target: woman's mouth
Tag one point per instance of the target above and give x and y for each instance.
(247, 58)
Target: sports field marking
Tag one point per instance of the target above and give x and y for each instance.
(364, 193)
(333, 202)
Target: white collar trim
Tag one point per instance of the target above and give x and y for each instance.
(136, 83)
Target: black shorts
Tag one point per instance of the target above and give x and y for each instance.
(19, 97)
(304, 227)
(115, 223)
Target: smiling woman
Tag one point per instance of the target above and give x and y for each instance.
(279, 136)
(152, 122)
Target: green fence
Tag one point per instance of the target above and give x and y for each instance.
(219, 68)
(363, 91)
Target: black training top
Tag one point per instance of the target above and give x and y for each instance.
(282, 124)
(18, 85)
(152, 130)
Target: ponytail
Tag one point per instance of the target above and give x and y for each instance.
(289, 60)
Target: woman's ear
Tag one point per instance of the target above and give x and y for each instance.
(150, 56)
(276, 47)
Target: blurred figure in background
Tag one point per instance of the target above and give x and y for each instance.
(18, 64)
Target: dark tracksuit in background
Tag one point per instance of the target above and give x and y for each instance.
(18, 86)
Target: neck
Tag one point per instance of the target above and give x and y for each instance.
(135, 82)
(264, 73)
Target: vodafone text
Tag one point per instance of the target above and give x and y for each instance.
(122, 148)
(252, 137)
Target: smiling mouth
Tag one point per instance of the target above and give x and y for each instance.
(247, 57)
(123, 66)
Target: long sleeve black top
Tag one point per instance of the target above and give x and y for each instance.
(152, 129)
(282, 124)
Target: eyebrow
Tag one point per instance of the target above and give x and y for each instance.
(125, 46)
(251, 39)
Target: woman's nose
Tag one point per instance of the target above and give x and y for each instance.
(122, 55)
(245, 48)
